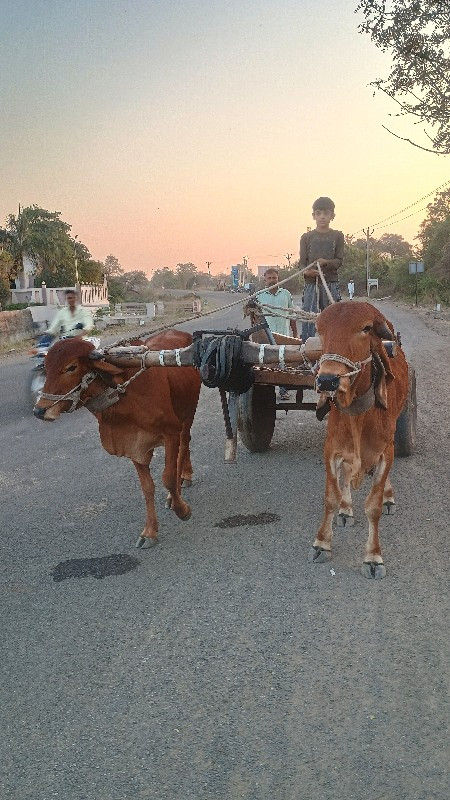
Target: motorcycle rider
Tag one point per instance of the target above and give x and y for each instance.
(73, 319)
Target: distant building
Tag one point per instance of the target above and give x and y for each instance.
(261, 269)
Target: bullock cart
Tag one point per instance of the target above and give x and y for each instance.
(280, 361)
(257, 408)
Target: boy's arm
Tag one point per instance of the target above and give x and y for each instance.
(303, 261)
(335, 263)
(303, 252)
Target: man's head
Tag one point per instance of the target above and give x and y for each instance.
(71, 298)
(271, 277)
(323, 212)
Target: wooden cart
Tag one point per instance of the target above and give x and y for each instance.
(257, 409)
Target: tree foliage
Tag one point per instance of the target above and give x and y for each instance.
(416, 33)
(112, 267)
(44, 238)
(6, 272)
(37, 233)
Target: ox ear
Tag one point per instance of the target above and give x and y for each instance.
(383, 329)
(103, 366)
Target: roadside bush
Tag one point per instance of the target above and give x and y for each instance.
(19, 306)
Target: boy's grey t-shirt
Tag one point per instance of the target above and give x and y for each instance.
(329, 245)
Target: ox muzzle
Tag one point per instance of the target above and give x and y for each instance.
(40, 413)
(327, 382)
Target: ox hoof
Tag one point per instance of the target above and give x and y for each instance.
(145, 542)
(186, 482)
(344, 520)
(318, 555)
(187, 516)
(389, 507)
(370, 569)
(168, 503)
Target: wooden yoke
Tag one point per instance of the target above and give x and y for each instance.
(251, 354)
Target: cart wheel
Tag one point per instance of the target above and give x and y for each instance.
(405, 432)
(256, 417)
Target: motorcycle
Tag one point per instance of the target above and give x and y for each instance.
(36, 378)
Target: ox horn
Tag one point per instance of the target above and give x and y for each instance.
(96, 355)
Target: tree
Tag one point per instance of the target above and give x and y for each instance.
(438, 211)
(135, 282)
(186, 275)
(394, 245)
(6, 272)
(45, 239)
(436, 254)
(112, 267)
(91, 271)
(116, 292)
(163, 279)
(416, 34)
(36, 233)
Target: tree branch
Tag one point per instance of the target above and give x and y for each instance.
(427, 149)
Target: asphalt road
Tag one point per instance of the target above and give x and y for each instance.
(221, 664)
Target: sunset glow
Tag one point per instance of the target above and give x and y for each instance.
(169, 132)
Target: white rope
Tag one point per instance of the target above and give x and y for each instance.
(356, 366)
(161, 357)
(287, 313)
(177, 357)
(262, 347)
(325, 285)
(281, 353)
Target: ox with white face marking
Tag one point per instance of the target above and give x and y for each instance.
(366, 391)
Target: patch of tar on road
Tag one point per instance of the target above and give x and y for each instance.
(116, 564)
(247, 519)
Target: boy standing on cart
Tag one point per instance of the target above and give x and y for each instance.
(326, 246)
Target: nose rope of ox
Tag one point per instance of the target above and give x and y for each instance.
(330, 383)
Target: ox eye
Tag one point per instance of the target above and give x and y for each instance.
(72, 368)
(367, 329)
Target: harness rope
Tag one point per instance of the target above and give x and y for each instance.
(218, 358)
(75, 394)
(357, 366)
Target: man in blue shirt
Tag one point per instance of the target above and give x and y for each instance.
(280, 299)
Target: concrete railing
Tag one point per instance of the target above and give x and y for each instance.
(91, 295)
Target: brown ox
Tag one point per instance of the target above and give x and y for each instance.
(157, 409)
(366, 392)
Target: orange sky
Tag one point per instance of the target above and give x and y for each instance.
(168, 132)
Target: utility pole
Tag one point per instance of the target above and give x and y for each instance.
(368, 233)
(208, 264)
(75, 258)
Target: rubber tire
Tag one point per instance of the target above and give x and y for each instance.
(405, 432)
(256, 417)
(34, 386)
